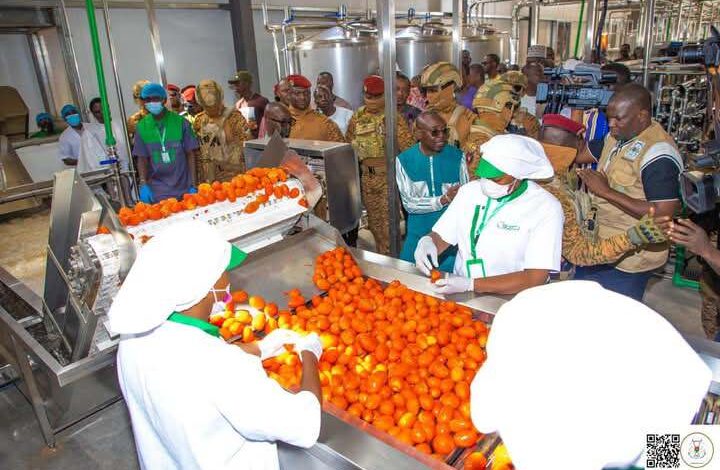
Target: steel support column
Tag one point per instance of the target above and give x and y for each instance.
(649, 39)
(458, 13)
(70, 59)
(590, 30)
(241, 20)
(41, 71)
(386, 50)
(155, 39)
(534, 24)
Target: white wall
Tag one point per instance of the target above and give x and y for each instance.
(16, 70)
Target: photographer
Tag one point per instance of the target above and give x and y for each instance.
(692, 236)
(639, 170)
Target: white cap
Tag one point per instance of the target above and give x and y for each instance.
(172, 272)
(518, 156)
(574, 365)
(570, 64)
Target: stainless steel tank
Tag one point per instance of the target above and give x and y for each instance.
(418, 46)
(349, 53)
(481, 41)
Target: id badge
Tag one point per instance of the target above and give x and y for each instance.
(165, 156)
(475, 268)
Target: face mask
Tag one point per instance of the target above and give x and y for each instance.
(560, 157)
(219, 306)
(375, 105)
(442, 99)
(73, 120)
(208, 97)
(494, 190)
(154, 107)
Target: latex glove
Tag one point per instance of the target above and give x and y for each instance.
(192, 190)
(146, 194)
(310, 343)
(274, 343)
(452, 285)
(426, 255)
(646, 231)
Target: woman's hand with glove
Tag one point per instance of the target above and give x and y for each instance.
(426, 255)
(310, 343)
(274, 343)
(452, 285)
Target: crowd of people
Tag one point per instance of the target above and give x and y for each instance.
(603, 176)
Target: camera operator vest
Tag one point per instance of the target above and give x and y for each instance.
(622, 163)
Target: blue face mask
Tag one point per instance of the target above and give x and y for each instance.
(73, 120)
(154, 107)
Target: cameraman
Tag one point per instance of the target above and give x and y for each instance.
(693, 237)
(639, 170)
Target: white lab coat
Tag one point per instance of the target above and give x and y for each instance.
(69, 144)
(198, 403)
(526, 233)
(93, 150)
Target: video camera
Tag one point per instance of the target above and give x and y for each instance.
(700, 188)
(584, 87)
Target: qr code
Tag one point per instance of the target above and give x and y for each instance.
(663, 451)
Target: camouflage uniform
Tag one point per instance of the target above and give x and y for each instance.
(221, 132)
(577, 248)
(493, 115)
(459, 119)
(133, 120)
(710, 313)
(311, 125)
(522, 121)
(366, 132)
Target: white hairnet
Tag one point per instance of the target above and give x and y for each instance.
(173, 271)
(518, 156)
(577, 368)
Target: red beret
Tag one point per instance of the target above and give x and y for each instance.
(298, 81)
(189, 93)
(172, 87)
(374, 84)
(560, 121)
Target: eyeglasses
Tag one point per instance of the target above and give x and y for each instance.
(436, 132)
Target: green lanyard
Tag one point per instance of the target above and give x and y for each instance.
(162, 136)
(476, 229)
(212, 330)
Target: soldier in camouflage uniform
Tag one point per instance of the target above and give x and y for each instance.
(133, 120)
(494, 108)
(440, 82)
(580, 245)
(308, 123)
(522, 121)
(222, 132)
(366, 133)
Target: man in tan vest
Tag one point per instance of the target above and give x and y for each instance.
(638, 170)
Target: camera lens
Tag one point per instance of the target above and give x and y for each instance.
(692, 54)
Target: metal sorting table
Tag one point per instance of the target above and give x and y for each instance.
(63, 393)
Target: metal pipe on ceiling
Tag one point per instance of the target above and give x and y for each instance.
(155, 39)
(649, 39)
(70, 59)
(515, 28)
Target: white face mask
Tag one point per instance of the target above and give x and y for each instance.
(219, 306)
(494, 190)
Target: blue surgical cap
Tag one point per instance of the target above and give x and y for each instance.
(152, 90)
(43, 117)
(68, 109)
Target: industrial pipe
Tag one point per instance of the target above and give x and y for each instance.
(515, 28)
(534, 25)
(591, 23)
(649, 40)
(577, 35)
(99, 71)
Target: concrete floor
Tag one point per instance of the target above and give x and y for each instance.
(104, 441)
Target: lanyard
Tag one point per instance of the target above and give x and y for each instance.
(476, 229)
(162, 136)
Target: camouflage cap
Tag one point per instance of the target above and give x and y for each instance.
(137, 88)
(495, 97)
(439, 74)
(241, 76)
(515, 78)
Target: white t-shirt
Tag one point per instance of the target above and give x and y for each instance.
(69, 144)
(529, 103)
(526, 233)
(341, 117)
(198, 403)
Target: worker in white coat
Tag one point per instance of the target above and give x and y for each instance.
(604, 371)
(93, 152)
(195, 401)
(508, 229)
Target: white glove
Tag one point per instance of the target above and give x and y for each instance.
(274, 343)
(452, 285)
(310, 343)
(426, 248)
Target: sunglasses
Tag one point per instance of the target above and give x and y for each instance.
(436, 132)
